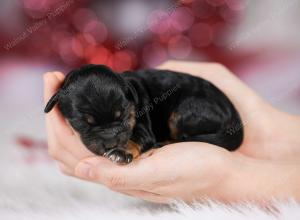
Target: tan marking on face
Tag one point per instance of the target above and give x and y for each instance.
(90, 119)
(134, 149)
(174, 117)
(132, 120)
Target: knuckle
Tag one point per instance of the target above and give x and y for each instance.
(115, 182)
(220, 67)
(217, 65)
(65, 169)
(168, 63)
(53, 152)
(65, 172)
(47, 74)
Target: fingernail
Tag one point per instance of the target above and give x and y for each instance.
(84, 170)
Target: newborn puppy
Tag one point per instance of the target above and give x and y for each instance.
(120, 116)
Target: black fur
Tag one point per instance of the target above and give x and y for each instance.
(149, 107)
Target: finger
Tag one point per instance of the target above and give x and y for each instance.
(57, 128)
(148, 196)
(64, 157)
(148, 153)
(65, 170)
(135, 175)
(77, 148)
(52, 82)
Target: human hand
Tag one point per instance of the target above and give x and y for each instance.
(184, 171)
(158, 175)
(63, 145)
(266, 130)
(269, 133)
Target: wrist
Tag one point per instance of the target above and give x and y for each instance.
(259, 180)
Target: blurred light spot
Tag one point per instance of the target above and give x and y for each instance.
(237, 5)
(134, 59)
(230, 16)
(187, 1)
(35, 4)
(36, 8)
(56, 38)
(182, 18)
(203, 10)
(66, 52)
(154, 54)
(82, 17)
(122, 61)
(165, 37)
(89, 39)
(201, 35)
(97, 29)
(131, 16)
(99, 55)
(215, 2)
(77, 47)
(158, 22)
(15, 23)
(219, 31)
(179, 47)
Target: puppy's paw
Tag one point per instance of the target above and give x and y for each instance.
(118, 156)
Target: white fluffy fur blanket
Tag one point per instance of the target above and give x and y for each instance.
(33, 188)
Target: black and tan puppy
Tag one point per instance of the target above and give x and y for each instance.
(123, 115)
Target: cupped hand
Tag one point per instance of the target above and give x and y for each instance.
(184, 170)
(63, 145)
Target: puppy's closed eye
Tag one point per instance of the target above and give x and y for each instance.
(117, 114)
(90, 119)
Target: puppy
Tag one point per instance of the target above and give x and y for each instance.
(120, 116)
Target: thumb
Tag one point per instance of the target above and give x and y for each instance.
(88, 167)
(103, 171)
(52, 81)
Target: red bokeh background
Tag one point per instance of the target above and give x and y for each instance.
(74, 32)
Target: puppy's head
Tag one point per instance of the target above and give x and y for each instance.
(99, 105)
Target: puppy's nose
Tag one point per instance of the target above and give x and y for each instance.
(110, 144)
(123, 135)
(108, 135)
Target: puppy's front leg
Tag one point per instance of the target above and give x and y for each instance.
(142, 139)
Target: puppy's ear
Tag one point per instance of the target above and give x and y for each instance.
(52, 102)
(132, 92)
(55, 98)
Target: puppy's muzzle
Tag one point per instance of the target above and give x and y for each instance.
(113, 141)
(125, 154)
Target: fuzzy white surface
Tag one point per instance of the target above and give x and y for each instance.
(38, 191)
(43, 193)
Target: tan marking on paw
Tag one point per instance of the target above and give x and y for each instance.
(174, 117)
(132, 119)
(134, 149)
